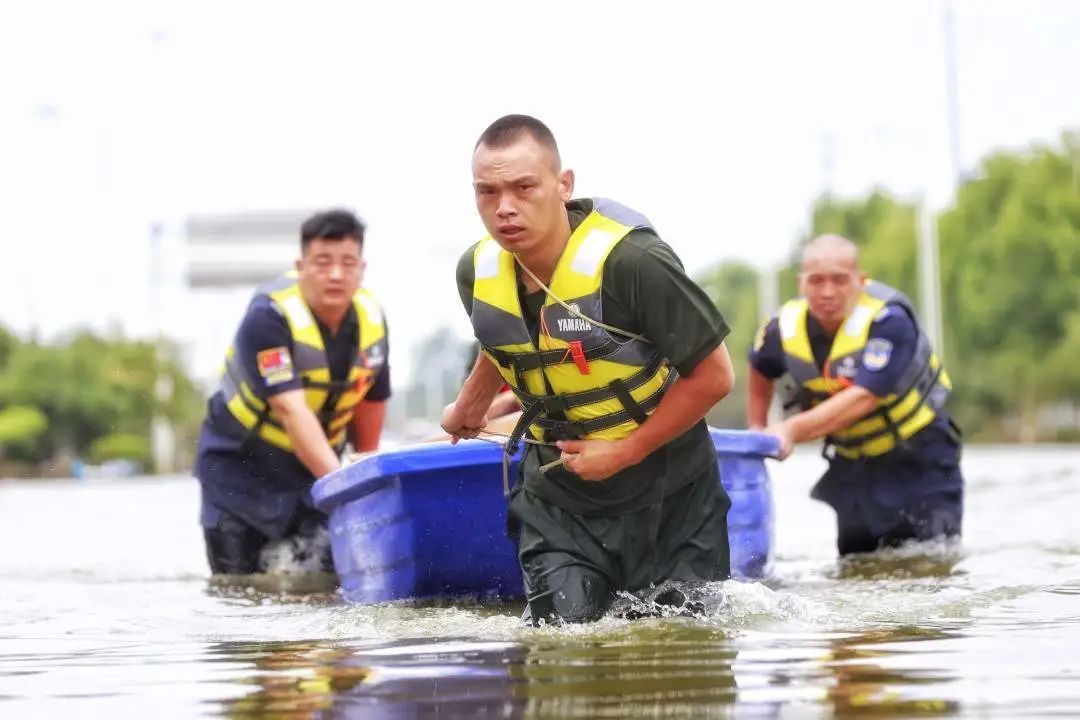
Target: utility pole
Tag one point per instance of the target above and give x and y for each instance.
(929, 266)
(930, 275)
(952, 92)
(162, 437)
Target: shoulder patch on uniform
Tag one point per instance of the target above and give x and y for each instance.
(373, 357)
(876, 354)
(275, 365)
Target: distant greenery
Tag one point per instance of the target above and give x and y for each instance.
(121, 446)
(1010, 275)
(88, 396)
(21, 429)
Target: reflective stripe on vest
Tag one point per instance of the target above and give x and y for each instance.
(564, 400)
(332, 402)
(922, 388)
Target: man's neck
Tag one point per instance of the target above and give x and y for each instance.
(543, 259)
(830, 328)
(332, 319)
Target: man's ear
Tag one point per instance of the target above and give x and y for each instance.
(566, 185)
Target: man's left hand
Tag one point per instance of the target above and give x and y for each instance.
(595, 459)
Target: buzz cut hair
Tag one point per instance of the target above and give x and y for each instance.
(510, 128)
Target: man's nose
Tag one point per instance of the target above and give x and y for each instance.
(506, 207)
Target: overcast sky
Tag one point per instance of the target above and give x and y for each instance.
(720, 122)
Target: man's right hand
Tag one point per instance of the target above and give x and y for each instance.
(459, 423)
(782, 432)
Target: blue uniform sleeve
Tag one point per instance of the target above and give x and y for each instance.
(380, 387)
(889, 349)
(767, 353)
(264, 346)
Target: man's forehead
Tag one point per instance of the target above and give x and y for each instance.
(830, 262)
(344, 246)
(522, 156)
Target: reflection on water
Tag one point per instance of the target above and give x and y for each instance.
(911, 562)
(862, 686)
(660, 669)
(118, 619)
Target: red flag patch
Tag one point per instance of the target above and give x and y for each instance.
(275, 365)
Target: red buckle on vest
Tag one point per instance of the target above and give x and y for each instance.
(578, 353)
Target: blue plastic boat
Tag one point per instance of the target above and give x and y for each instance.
(429, 521)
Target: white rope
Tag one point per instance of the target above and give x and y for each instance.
(577, 313)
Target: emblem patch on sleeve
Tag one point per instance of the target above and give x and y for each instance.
(275, 365)
(876, 354)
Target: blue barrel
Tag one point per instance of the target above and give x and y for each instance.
(429, 520)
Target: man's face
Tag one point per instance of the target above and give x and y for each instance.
(831, 282)
(520, 192)
(330, 272)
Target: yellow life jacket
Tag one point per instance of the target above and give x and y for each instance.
(922, 390)
(579, 381)
(332, 402)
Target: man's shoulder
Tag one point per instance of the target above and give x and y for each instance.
(767, 331)
(641, 240)
(262, 309)
(470, 251)
(466, 261)
(642, 247)
(262, 326)
(894, 322)
(371, 306)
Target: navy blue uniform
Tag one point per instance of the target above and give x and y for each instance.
(913, 492)
(253, 492)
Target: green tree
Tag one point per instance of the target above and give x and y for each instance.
(1011, 277)
(88, 387)
(21, 430)
(8, 343)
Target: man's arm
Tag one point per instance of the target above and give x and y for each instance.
(767, 364)
(758, 398)
(308, 439)
(646, 281)
(834, 414)
(369, 415)
(893, 337)
(368, 419)
(684, 404)
(466, 416)
(505, 403)
(264, 347)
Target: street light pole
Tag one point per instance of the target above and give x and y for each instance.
(952, 84)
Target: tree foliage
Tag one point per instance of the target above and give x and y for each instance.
(88, 387)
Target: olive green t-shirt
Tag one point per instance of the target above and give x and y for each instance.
(646, 291)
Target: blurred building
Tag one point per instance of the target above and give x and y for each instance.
(241, 249)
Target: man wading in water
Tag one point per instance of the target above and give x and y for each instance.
(616, 356)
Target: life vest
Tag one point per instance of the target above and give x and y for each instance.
(332, 402)
(579, 380)
(923, 387)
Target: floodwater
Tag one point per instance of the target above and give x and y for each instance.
(106, 611)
